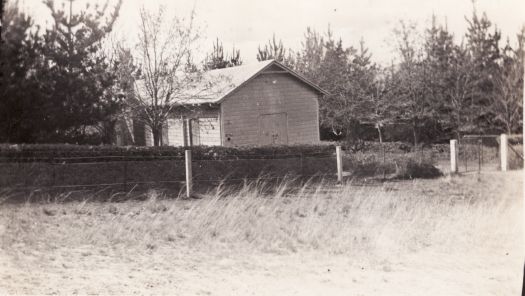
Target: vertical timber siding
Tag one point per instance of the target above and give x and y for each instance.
(175, 136)
(208, 132)
(271, 93)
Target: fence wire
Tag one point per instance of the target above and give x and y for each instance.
(478, 153)
(125, 172)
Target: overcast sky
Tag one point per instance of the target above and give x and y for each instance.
(248, 23)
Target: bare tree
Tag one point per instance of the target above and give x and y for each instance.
(507, 104)
(167, 77)
(461, 88)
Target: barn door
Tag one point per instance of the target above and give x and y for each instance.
(273, 129)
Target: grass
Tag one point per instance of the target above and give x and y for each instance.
(392, 165)
(466, 215)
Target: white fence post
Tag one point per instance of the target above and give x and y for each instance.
(339, 164)
(189, 181)
(187, 132)
(503, 142)
(453, 156)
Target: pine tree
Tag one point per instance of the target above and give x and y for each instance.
(272, 51)
(411, 102)
(440, 82)
(483, 49)
(218, 60)
(79, 85)
(20, 102)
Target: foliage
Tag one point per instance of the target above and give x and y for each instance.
(507, 103)
(412, 169)
(218, 60)
(272, 51)
(65, 88)
(50, 151)
(357, 95)
(20, 102)
(397, 163)
(168, 77)
(436, 89)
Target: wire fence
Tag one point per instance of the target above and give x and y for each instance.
(515, 153)
(479, 153)
(127, 172)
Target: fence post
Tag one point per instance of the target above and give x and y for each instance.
(301, 172)
(189, 136)
(125, 174)
(339, 164)
(189, 185)
(183, 128)
(503, 142)
(453, 156)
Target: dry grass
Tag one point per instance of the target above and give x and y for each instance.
(399, 223)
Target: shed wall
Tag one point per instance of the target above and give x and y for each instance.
(267, 94)
(206, 131)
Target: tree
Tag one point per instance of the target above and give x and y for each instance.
(218, 60)
(450, 82)
(123, 67)
(372, 83)
(168, 76)
(78, 88)
(333, 76)
(309, 60)
(485, 56)
(272, 51)
(459, 90)
(507, 104)
(352, 81)
(20, 102)
(412, 103)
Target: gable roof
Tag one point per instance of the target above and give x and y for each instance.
(217, 84)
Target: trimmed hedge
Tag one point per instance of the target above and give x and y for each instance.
(85, 153)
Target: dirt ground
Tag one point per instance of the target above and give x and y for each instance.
(55, 268)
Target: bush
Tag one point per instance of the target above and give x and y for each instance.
(86, 153)
(367, 165)
(515, 157)
(410, 169)
(398, 166)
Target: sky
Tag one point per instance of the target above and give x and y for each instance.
(246, 24)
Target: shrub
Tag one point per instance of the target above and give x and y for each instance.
(515, 157)
(410, 169)
(367, 165)
(86, 153)
(394, 165)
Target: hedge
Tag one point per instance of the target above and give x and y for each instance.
(85, 153)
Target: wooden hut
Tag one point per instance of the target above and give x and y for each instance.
(264, 103)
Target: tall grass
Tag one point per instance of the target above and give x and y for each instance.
(385, 220)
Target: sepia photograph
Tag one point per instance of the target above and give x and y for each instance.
(274, 147)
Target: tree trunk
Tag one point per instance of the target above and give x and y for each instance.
(382, 148)
(414, 132)
(109, 132)
(380, 134)
(458, 126)
(157, 136)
